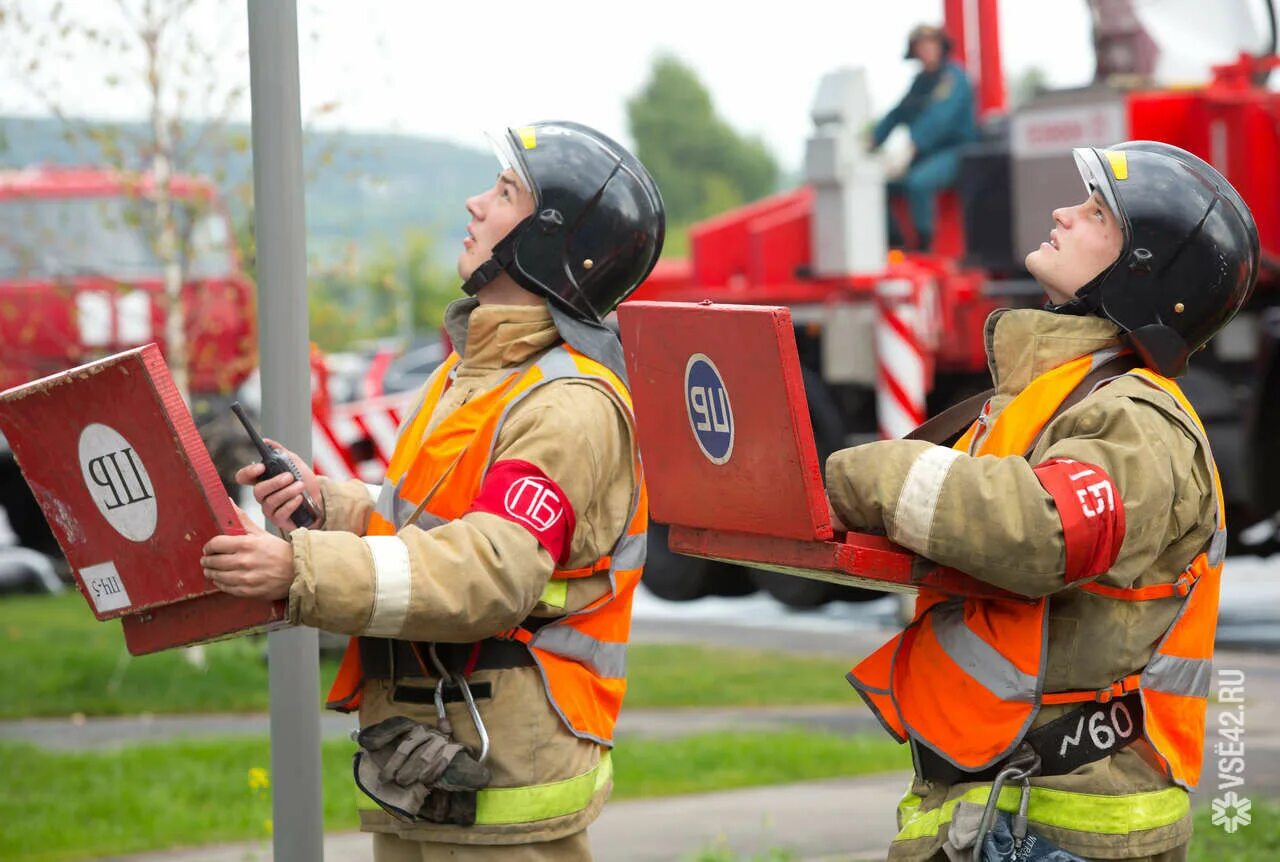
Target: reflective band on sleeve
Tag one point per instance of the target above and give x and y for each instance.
(392, 585)
(979, 659)
(1189, 677)
(607, 658)
(498, 805)
(1083, 812)
(913, 516)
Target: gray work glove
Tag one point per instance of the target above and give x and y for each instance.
(418, 773)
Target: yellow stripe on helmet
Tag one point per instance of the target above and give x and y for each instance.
(1119, 164)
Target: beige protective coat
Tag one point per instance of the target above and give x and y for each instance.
(995, 521)
(481, 574)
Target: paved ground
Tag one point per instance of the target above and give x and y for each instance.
(66, 734)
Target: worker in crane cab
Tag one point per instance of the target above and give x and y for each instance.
(1072, 712)
(938, 111)
(487, 586)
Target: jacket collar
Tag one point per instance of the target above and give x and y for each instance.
(1024, 343)
(498, 336)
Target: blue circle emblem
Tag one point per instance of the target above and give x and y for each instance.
(706, 400)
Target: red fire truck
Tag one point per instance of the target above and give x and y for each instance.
(80, 279)
(886, 339)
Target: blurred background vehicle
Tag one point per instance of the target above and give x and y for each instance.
(80, 278)
(889, 337)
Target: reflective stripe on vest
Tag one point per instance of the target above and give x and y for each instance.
(966, 676)
(1175, 683)
(1082, 812)
(506, 806)
(582, 655)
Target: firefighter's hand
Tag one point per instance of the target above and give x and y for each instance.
(256, 565)
(281, 495)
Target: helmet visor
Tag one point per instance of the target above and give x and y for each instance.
(1097, 178)
(509, 156)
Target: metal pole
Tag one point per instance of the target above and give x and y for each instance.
(286, 403)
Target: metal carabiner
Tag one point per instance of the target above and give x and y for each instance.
(1024, 763)
(474, 711)
(989, 811)
(1018, 824)
(442, 718)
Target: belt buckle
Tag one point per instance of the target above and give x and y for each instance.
(1117, 689)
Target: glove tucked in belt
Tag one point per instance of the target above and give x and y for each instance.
(418, 773)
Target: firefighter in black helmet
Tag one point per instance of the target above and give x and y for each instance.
(1190, 250)
(488, 587)
(599, 221)
(1100, 509)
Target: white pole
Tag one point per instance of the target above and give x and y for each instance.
(293, 654)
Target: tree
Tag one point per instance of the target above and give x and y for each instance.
(702, 165)
(395, 291)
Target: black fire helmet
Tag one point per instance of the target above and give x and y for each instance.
(598, 222)
(1190, 255)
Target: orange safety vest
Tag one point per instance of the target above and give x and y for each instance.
(966, 677)
(582, 655)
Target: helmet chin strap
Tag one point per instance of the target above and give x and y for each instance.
(1088, 299)
(504, 256)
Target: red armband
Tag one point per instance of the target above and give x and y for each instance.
(522, 493)
(1092, 514)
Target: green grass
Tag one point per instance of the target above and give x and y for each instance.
(67, 806)
(61, 806)
(721, 761)
(1257, 842)
(689, 675)
(721, 851)
(57, 659)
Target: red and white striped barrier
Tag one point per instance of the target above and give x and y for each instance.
(905, 338)
(375, 420)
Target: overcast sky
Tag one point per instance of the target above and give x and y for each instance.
(452, 70)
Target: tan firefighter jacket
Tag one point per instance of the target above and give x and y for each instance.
(994, 520)
(481, 574)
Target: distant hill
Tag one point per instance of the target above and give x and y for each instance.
(361, 187)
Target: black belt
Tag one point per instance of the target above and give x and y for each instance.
(1092, 732)
(382, 658)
